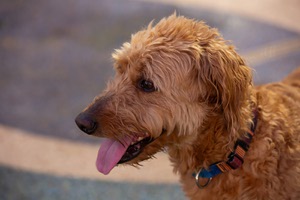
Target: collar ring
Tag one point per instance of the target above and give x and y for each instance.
(197, 179)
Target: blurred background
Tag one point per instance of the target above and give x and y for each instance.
(55, 56)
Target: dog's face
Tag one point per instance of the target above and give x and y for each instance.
(164, 87)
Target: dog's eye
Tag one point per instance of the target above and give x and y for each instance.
(146, 85)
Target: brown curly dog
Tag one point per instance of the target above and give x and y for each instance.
(180, 87)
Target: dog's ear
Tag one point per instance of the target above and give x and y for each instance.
(225, 79)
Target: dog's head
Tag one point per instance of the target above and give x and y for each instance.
(168, 80)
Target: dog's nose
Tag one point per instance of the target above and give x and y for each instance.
(86, 123)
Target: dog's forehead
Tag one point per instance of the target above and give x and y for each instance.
(129, 59)
(148, 54)
(169, 47)
(138, 56)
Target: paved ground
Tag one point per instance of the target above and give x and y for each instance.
(55, 57)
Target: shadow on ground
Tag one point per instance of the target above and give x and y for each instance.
(16, 184)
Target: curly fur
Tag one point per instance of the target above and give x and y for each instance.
(203, 103)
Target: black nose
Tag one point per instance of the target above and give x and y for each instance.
(86, 123)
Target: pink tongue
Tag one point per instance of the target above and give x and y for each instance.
(110, 153)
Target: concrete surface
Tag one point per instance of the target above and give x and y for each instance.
(55, 57)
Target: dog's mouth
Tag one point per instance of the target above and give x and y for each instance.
(135, 149)
(113, 152)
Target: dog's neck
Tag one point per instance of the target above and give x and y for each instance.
(212, 143)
